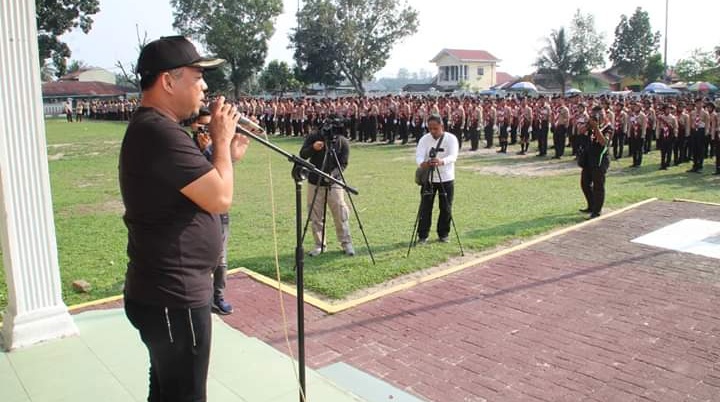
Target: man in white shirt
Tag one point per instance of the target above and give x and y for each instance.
(437, 150)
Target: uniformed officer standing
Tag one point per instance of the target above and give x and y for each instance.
(595, 162)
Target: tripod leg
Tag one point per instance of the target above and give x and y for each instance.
(352, 203)
(324, 219)
(443, 193)
(310, 211)
(413, 236)
(362, 229)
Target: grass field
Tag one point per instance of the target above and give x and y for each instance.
(489, 209)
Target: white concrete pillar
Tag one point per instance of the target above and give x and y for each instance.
(35, 311)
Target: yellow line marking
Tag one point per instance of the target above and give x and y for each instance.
(696, 202)
(94, 303)
(330, 308)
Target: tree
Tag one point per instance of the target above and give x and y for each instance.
(218, 82)
(586, 43)
(655, 69)
(56, 17)
(700, 66)
(128, 75)
(403, 74)
(634, 44)
(237, 31)
(277, 77)
(75, 66)
(349, 38)
(558, 59)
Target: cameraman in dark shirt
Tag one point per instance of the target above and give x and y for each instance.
(315, 148)
(594, 161)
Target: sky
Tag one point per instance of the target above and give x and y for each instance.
(512, 30)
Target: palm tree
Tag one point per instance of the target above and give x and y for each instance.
(557, 58)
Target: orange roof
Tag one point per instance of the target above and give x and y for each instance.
(501, 78)
(467, 55)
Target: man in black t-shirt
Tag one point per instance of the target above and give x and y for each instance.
(173, 196)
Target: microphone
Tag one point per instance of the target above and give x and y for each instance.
(248, 125)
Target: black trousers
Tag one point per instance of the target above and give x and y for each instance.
(666, 148)
(559, 140)
(592, 182)
(618, 144)
(697, 147)
(179, 344)
(649, 135)
(636, 149)
(717, 154)
(456, 130)
(297, 126)
(542, 138)
(403, 130)
(353, 128)
(513, 134)
(678, 148)
(474, 135)
(489, 134)
(445, 191)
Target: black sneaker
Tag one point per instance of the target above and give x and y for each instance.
(585, 211)
(220, 306)
(593, 215)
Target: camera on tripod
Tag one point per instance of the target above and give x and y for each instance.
(332, 127)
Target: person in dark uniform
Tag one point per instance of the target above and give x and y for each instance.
(594, 161)
(700, 121)
(667, 127)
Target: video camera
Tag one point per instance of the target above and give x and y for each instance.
(332, 127)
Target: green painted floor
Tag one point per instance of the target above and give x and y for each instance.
(108, 362)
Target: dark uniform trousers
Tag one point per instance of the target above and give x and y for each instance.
(445, 190)
(542, 137)
(697, 146)
(489, 134)
(592, 182)
(559, 139)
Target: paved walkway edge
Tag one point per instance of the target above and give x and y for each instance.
(331, 308)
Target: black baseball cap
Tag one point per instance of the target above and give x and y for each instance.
(171, 52)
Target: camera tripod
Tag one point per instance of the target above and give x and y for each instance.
(331, 156)
(427, 191)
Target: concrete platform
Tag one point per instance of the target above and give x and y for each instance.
(108, 363)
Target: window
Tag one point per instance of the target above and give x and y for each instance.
(465, 72)
(481, 71)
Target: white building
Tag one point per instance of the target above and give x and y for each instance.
(477, 69)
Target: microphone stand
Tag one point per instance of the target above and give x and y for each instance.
(301, 169)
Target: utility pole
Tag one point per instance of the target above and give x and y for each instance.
(666, 36)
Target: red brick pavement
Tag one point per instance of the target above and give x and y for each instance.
(586, 316)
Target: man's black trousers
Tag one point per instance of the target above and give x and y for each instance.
(179, 344)
(426, 207)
